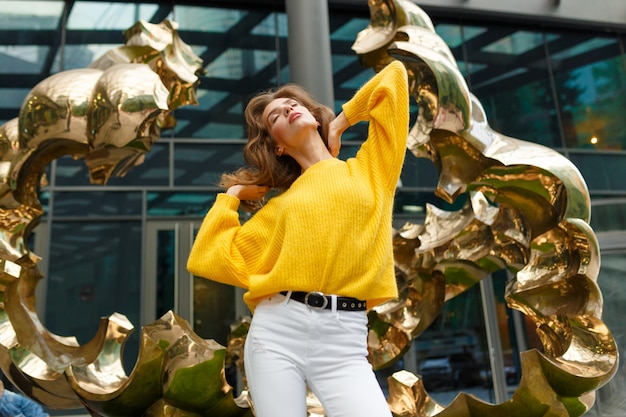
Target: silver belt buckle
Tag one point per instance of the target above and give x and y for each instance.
(316, 295)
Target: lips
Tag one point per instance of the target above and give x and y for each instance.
(293, 116)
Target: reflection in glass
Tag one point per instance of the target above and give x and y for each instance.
(22, 59)
(454, 35)
(412, 202)
(452, 355)
(514, 84)
(203, 164)
(80, 56)
(234, 64)
(165, 272)
(602, 171)
(515, 44)
(153, 171)
(30, 14)
(97, 203)
(213, 309)
(347, 31)
(165, 204)
(94, 271)
(10, 97)
(609, 214)
(207, 19)
(108, 15)
(610, 398)
(509, 333)
(242, 50)
(592, 94)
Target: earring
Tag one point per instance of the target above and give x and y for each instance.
(279, 151)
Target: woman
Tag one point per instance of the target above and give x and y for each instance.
(317, 255)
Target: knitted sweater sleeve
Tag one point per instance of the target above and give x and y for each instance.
(384, 102)
(223, 250)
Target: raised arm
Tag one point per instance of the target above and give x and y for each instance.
(223, 250)
(384, 102)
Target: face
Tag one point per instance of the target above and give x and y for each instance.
(288, 122)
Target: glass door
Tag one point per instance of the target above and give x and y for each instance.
(210, 307)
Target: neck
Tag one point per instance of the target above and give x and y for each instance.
(312, 159)
(312, 151)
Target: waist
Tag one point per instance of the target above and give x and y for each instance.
(315, 299)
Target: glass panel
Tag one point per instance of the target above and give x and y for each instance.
(213, 309)
(454, 35)
(25, 14)
(347, 31)
(515, 44)
(22, 59)
(602, 172)
(413, 202)
(203, 164)
(81, 56)
(239, 49)
(235, 64)
(179, 204)
(12, 98)
(610, 398)
(153, 171)
(506, 329)
(108, 15)
(590, 81)
(419, 172)
(44, 200)
(608, 214)
(513, 84)
(166, 272)
(26, 50)
(94, 271)
(207, 19)
(274, 24)
(92, 204)
(452, 354)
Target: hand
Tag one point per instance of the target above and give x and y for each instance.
(248, 192)
(336, 128)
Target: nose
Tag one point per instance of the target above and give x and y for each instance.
(287, 109)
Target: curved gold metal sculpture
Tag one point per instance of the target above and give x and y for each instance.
(528, 212)
(109, 114)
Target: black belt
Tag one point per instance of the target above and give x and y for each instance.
(319, 300)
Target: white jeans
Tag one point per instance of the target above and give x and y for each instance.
(290, 345)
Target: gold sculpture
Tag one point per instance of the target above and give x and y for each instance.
(109, 114)
(528, 212)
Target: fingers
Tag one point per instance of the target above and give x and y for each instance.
(334, 144)
(248, 192)
(336, 129)
(258, 191)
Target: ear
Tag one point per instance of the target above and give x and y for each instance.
(279, 151)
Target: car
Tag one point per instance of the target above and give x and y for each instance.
(437, 373)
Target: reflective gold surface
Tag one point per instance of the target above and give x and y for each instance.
(528, 211)
(109, 115)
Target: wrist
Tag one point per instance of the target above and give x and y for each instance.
(234, 191)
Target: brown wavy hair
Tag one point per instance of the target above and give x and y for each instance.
(264, 167)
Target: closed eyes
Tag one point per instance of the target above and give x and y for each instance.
(276, 112)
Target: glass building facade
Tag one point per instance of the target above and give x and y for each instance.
(123, 247)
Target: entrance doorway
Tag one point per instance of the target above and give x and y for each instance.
(210, 307)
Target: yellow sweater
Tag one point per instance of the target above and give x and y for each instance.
(331, 230)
